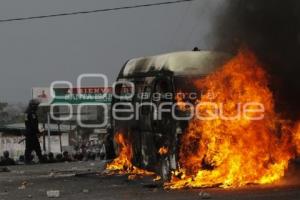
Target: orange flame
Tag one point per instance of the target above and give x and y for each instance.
(233, 153)
(227, 153)
(297, 137)
(122, 164)
(163, 150)
(157, 178)
(179, 98)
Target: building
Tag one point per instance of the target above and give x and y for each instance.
(12, 138)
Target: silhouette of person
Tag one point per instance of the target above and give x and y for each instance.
(6, 159)
(32, 131)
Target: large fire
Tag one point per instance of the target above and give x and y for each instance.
(232, 150)
(244, 144)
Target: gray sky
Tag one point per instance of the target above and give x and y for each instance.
(37, 52)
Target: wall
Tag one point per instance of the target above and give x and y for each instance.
(10, 142)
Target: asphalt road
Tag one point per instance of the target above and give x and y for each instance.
(84, 180)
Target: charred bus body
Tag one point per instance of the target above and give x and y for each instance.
(146, 116)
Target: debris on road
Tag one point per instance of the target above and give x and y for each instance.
(204, 195)
(51, 174)
(53, 193)
(23, 185)
(85, 191)
(4, 169)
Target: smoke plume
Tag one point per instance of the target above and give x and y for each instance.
(270, 28)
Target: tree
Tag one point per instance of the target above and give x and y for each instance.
(11, 113)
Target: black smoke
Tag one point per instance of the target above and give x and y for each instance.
(271, 28)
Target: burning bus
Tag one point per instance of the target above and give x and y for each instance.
(200, 119)
(154, 115)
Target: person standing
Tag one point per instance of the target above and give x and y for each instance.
(32, 132)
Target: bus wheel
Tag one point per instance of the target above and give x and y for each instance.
(110, 149)
(165, 169)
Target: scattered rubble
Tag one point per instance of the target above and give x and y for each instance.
(53, 193)
(23, 185)
(85, 191)
(4, 169)
(204, 195)
(51, 174)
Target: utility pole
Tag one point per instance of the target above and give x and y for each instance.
(49, 132)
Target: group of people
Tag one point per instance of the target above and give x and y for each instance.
(66, 157)
(33, 144)
(5, 160)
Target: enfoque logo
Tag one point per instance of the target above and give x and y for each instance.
(130, 104)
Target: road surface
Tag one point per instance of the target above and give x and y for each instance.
(84, 180)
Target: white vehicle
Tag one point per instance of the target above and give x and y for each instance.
(157, 80)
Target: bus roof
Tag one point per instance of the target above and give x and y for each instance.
(183, 63)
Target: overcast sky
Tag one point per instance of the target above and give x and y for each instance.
(37, 52)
